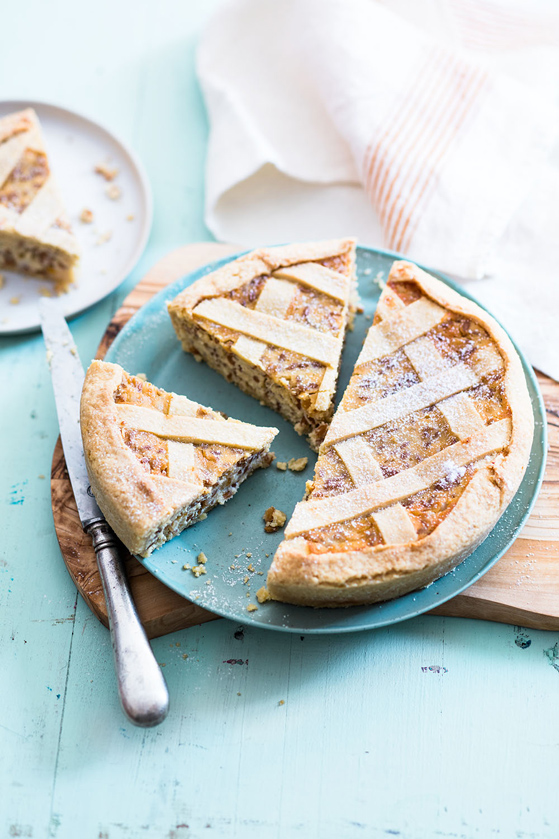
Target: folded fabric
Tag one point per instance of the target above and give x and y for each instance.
(424, 128)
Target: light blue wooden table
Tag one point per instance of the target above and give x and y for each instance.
(438, 727)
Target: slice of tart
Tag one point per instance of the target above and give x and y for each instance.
(424, 453)
(157, 462)
(35, 235)
(273, 322)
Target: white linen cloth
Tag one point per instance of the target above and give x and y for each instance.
(429, 128)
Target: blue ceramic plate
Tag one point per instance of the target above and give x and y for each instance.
(233, 536)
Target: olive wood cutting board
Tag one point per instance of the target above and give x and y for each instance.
(522, 588)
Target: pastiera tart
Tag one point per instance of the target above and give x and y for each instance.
(157, 462)
(35, 235)
(425, 451)
(273, 322)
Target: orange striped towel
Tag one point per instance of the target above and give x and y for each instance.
(421, 127)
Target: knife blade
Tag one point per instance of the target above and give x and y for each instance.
(142, 689)
(67, 381)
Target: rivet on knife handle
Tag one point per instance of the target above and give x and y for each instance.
(141, 686)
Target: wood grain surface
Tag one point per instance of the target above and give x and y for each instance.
(522, 588)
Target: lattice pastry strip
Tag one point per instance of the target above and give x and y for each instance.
(286, 334)
(275, 299)
(187, 429)
(406, 324)
(317, 277)
(182, 462)
(394, 522)
(459, 410)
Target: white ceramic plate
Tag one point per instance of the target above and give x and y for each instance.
(75, 145)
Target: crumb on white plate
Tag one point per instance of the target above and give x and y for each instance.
(108, 172)
(104, 237)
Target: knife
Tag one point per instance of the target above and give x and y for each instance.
(142, 689)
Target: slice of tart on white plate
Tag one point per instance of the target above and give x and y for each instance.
(273, 322)
(425, 452)
(35, 235)
(157, 461)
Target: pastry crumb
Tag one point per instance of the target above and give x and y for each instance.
(86, 216)
(130, 217)
(113, 192)
(108, 172)
(104, 237)
(263, 595)
(197, 570)
(246, 579)
(250, 567)
(141, 376)
(202, 558)
(42, 477)
(45, 291)
(297, 464)
(281, 702)
(274, 520)
(281, 465)
(379, 280)
(252, 607)
(249, 554)
(186, 567)
(14, 300)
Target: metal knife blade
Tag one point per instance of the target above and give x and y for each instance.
(67, 381)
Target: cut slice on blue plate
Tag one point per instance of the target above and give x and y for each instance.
(159, 462)
(273, 322)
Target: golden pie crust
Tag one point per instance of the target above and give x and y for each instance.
(35, 235)
(158, 462)
(273, 322)
(424, 453)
